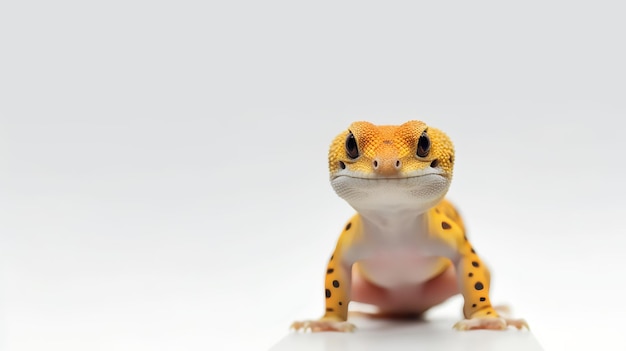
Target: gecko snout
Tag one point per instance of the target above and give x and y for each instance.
(386, 167)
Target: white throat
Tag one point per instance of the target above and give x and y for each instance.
(394, 226)
(392, 207)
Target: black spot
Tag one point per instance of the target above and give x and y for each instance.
(451, 159)
(475, 264)
(445, 225)
(478, 286)
(470, 275)
(342, 165)
(465, 237)
(340, 303)
(329, 310)
(330, 270)
(437, 210)
(488, 312)
(348, 226)
(434, 164)
(473, 251)
(331, 257)
(474, 305)
(335, 283)
(482, 299)
(327, 293)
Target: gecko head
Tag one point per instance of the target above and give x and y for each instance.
(388, 168)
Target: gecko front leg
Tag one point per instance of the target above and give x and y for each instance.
(474, 280)
(337, 292)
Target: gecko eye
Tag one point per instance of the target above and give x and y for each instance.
(351, 148)
(423, 145)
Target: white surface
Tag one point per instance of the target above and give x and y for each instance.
(163, 176)
(400, 336)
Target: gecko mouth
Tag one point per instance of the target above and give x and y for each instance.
(416, 192)
(377, 178)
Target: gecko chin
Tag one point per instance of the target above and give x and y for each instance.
(417, 193)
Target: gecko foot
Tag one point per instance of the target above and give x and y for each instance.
(322, 325)
(492, 323)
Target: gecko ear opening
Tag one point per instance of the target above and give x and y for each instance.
(352, 149)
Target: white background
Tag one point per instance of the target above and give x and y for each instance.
(163, 163)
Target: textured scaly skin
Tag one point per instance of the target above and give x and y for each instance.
(404, 231)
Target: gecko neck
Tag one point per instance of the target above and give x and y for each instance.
(393, 223)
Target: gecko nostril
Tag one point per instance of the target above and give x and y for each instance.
(398, 163)
(342, 165)
(375, 164)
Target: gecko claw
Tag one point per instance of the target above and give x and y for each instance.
(321, 325)
(517, 323)
(491, 323)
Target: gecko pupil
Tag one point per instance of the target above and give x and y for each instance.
(423, 145)
(351, 148)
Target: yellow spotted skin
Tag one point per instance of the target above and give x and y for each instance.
(404, 232)
(473, 273)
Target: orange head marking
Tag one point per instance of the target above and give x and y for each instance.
(420, 155)
(391, 151)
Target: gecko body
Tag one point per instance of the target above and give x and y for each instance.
(406, 249)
